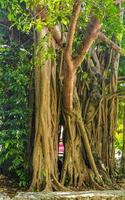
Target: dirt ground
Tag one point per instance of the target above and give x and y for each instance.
(7, 186)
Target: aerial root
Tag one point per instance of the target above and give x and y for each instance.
(95, 184)
(57, 186)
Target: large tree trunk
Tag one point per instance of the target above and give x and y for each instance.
(46, 135)
(82, 166)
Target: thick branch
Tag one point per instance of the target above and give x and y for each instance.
(72, 27)
(96, 60)
(90, 37)
(110, 43)
(56, 33)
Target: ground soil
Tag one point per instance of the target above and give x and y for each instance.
(8, 186)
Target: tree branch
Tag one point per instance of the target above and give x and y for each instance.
(110, 43)
(90, 37)
(96, 60)
(56, 33)
(72, 27)
(121, 79)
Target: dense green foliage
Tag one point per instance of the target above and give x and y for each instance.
(15, 68)
(20, 12)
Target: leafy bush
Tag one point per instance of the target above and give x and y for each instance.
(15, 69)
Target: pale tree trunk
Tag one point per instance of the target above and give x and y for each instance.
(41, 156)
(45, 155)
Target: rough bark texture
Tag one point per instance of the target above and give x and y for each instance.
(85, 107)
(82, 167)
(46, 130)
